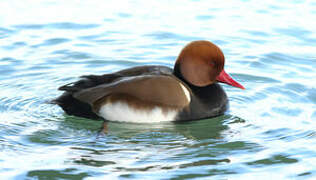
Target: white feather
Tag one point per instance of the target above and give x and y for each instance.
(120, 111)
(186, 92)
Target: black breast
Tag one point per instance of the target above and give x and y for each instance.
(209, 101)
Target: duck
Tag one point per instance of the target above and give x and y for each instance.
(154, 93)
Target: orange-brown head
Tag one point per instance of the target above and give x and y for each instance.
(201, 63)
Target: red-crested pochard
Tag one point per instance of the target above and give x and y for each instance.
(154, 93)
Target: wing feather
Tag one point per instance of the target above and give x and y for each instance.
(156, 89)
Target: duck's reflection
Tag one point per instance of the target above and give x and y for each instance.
(211, 128)
(134, 147)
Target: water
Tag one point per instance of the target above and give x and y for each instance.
(268, 133)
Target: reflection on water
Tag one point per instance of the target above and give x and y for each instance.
(269, 47)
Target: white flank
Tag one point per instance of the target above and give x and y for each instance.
(186, 92)
(120, 111)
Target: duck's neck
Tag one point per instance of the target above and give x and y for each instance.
(208, 101)
(177, 73)
(204, 93)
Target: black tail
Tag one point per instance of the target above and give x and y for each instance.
(75, 107)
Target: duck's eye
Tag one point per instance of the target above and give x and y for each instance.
(211, 63)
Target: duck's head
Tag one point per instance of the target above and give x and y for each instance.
(201, 63)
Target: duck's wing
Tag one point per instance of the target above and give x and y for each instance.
(164, 90)
(88, 81)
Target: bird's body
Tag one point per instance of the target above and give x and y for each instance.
(147, 94)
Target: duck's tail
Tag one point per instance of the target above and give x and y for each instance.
(73, 106)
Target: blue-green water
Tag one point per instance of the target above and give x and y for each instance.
(268, 133)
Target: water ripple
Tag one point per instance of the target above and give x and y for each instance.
(60, 25)
(169, 35)
(52, 42)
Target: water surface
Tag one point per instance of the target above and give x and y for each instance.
(269, 131)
